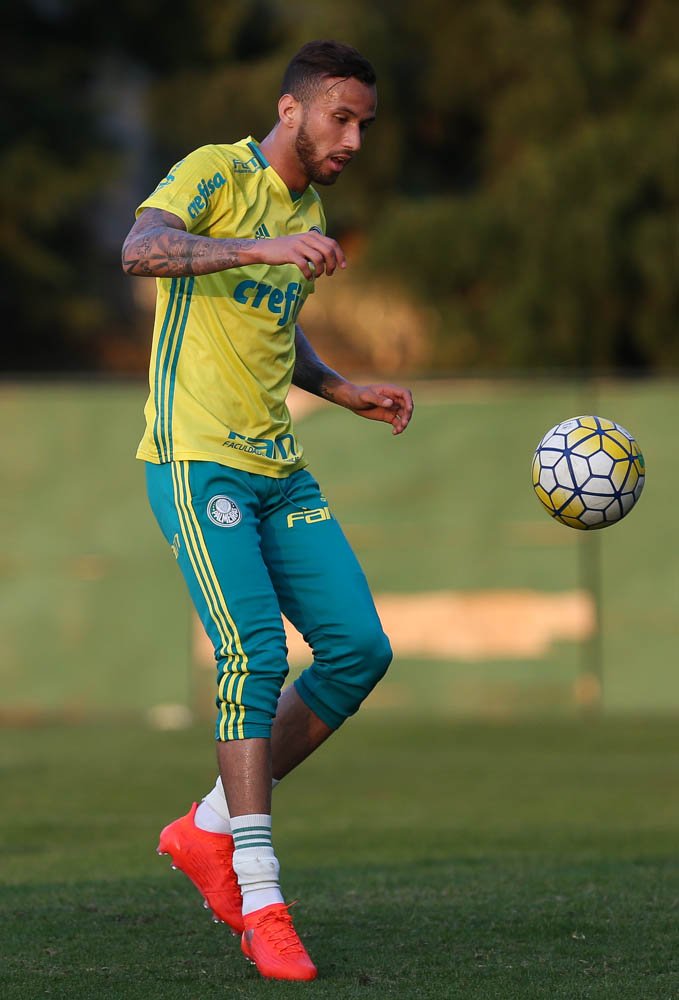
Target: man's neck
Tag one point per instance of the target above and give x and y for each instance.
(284, 160)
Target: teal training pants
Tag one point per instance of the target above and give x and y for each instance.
(251, 547)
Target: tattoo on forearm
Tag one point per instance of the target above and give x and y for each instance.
(310, 373)
(171, 253)
(156, 249)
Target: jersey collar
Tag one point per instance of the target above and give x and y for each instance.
(294, 196)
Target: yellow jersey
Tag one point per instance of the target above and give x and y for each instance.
(224, 344)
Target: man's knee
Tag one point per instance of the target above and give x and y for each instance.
(335, 685)
(375, 654)
(364, 660)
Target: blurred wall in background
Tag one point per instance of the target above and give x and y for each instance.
(493, 608)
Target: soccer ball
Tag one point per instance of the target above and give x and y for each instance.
(588, 472)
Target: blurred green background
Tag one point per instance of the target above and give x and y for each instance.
(94, 617)
(514, 206)
(511, 229)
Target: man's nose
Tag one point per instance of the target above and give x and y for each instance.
(353, 138)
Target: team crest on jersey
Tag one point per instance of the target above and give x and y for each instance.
(223, 512)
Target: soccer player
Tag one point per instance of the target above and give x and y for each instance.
(235, 235)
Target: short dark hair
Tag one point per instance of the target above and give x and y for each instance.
(319, 60)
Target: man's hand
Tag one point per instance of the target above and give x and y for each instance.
(384, 402)
(389, 403)
(313, 253)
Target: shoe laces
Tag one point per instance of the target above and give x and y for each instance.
(279, 930)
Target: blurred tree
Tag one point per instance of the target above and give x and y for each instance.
(563, 250)
(520, 187)
(52, 162)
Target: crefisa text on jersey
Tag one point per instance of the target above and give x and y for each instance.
(255, 294)
(206, 188)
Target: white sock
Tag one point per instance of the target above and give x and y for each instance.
(206, 818)
(254, 862)
(213, 813)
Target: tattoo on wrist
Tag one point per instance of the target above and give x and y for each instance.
(329, 384)
(311, 374)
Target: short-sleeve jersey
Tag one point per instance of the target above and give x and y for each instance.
(224, 344)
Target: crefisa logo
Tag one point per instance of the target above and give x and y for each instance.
(206, 188)
(223, 512)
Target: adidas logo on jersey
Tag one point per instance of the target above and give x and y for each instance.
(262, 233)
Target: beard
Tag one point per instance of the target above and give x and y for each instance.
(313, 163)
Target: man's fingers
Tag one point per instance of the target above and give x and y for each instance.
(310, 269)
(376, 399)
(389, 403)
(312, 252)
(400, 408)
(404, 400)
(310, 263)
(329, 250)
(316, 258)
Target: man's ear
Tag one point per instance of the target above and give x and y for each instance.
(289, 109)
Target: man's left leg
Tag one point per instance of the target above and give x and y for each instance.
(322, 590)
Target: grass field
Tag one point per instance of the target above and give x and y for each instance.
(430, 859)
(432, 856)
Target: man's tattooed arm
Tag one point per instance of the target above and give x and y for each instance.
(311, 374)
(158, 246)
(380, 401)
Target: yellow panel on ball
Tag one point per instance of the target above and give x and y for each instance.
(574, 508)
(543, 497)
(588, 446)
(577, 435)
(623, 441)
(613, 448)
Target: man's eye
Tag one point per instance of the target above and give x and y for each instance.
(341, 118)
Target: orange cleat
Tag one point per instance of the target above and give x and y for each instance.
(271, 943)
(206, 858)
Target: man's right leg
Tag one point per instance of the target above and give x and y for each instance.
(209, 514)
(296, 732)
